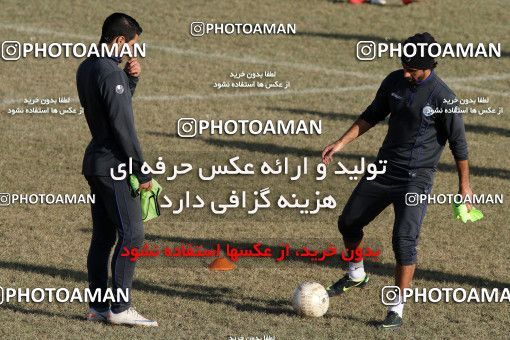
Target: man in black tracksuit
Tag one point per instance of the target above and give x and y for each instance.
(105, 93)
(420, 122)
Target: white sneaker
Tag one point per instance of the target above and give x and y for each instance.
(130, 317)
(378, 2)
(94, 315)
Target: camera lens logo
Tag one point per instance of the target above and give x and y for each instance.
(5, 199)
(365, 50)
(197, 29)
(11, 50)
(187, 127)
(390, 295)
(411, 199)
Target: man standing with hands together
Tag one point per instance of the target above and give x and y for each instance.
(105, 93)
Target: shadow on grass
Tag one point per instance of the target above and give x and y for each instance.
(30, 311)
(321, 114)
(209, 294)
(362, 37)
(473, 128)
(374, 267)
(371, 323)
(277, 149)
(347, 37)
(487, 130)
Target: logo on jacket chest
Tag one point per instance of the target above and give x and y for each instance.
(427, 110)
(119, 89)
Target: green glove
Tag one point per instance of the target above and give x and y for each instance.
(148, 198)
(461, 212)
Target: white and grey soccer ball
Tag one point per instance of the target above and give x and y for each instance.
(310, 299)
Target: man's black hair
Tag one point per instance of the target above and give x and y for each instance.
(119, 24)
(421, 62)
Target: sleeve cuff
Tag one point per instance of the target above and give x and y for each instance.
(461, 158)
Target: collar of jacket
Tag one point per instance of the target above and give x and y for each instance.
(116, 59)
(424, 83)
(431, 76)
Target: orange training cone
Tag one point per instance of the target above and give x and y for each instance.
(221, 264)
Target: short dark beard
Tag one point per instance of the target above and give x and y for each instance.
(411, 81)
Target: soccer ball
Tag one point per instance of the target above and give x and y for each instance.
(310, 299)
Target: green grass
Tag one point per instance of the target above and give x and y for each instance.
(46, 246)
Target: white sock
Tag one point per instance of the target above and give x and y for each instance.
(356, 270)
(399, 309)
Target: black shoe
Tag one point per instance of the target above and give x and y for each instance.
(344, 284)
(392, 321)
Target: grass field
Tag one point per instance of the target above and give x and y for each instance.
(46, 245)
